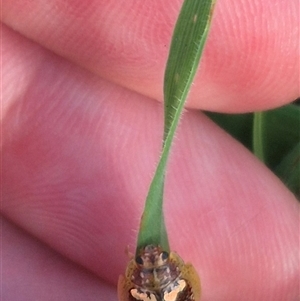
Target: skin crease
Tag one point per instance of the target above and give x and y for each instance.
(73, 144)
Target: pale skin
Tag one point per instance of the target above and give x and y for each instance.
(81, 137)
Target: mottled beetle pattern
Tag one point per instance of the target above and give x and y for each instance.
(156, 275)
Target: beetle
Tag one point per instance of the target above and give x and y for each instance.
(156, 275)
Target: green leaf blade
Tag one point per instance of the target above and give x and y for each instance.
(187, 45)
(258, 141)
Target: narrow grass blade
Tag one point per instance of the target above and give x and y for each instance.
(258, 141)
(280, 131)
(275, 137)
(186, 48)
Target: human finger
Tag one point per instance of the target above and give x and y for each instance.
(78, 156)
(249, 64)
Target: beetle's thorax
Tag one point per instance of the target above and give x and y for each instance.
(154, 270)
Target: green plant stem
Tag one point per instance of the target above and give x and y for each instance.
(258, 148)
